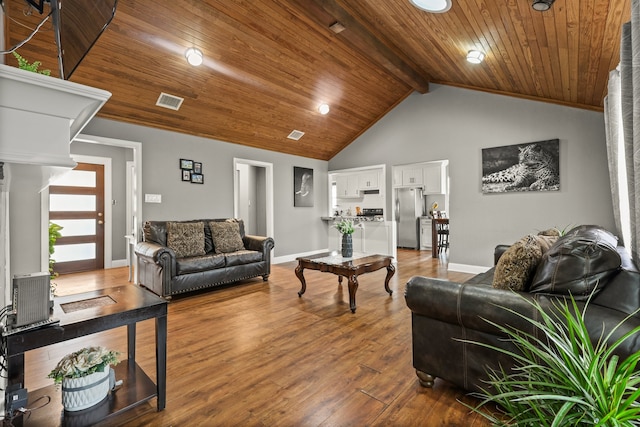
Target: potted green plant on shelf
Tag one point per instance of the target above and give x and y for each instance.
(346, 228)
(23, 64)
(561, 378)
(85, 377)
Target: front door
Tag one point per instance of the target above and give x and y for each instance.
(76, 203)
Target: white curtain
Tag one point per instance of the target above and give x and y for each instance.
(622, 122)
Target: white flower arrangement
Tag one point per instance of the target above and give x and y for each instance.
(83, 362)
(345, 226)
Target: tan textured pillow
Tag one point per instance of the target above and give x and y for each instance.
(186, 238)
(517, 266)
(550, 232)
(226, 236)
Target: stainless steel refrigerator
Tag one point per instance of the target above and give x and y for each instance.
(409, 209)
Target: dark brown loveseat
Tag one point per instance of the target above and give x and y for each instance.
(444, 312)
(183, 256)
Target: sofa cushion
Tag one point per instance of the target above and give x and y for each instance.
(186, 238)
(226, 236)
(581, 259)
(243, 257)
(199, 263)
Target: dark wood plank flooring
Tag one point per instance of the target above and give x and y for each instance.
(255, 354)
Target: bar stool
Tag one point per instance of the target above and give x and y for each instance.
(441, 230)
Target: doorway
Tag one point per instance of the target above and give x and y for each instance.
(76, 203)
(133, 199)
(253, 195)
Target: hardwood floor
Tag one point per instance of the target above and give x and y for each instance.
(255, 354)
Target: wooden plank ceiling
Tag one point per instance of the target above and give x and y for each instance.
(269, 63)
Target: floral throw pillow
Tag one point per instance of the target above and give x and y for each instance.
(226, 236)
(186, 238)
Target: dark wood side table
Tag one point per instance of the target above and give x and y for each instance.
(118, 306)
(332, 262)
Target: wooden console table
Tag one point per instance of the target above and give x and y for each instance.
(348, 267)
(119, 306)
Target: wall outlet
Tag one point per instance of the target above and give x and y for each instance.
(153, 198)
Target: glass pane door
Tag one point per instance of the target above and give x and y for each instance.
(76, 203)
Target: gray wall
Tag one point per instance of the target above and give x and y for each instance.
(119, 157)
(455, 124)
(161, 151)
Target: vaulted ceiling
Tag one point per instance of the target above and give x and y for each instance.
(270, 63)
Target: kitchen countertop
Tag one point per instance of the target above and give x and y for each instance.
(353, 218)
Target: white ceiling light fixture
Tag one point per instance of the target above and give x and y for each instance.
(194, 56)
(323, 108)
(542, 5)
(475, 56)
(433, 6)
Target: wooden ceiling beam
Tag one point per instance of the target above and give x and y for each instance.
(359, 37)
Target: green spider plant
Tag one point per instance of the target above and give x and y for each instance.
(561, 378)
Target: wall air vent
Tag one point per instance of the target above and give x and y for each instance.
(169, 101)
(295, 135)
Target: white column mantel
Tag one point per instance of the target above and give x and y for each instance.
(41, 115)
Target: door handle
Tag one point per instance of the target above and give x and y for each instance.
(100, 222)
(99, 213)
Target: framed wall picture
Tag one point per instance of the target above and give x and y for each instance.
(534, 166)
(302, 187)
(186, 175)
(197, 167)
(197, 178)
(186, 164)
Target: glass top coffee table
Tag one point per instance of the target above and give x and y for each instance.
(351, 268)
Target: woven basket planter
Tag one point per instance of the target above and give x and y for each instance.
(82, 393)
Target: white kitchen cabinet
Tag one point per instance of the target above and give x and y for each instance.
(411, 177)
(347, 186)
(433, 178)
(425, 234)
(368, 181)
(397, 176)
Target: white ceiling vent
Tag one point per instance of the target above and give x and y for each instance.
(169, 101)
(295, 135)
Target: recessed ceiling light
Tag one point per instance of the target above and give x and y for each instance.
(542, 5)
(194, 56)
(433, 6)
(475, 56)
(323, 108)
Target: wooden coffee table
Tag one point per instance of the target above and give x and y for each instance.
(351, 268)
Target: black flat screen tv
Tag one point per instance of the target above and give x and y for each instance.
(77, 25)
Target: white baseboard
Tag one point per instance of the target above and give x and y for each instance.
(465, 268)
(116, 263)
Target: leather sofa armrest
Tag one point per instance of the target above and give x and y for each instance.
(260, 244)
(468, 305)
(160, 255)
(153, 251)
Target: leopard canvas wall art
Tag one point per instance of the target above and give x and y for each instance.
(533, 166)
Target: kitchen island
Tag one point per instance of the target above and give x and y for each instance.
(372, 235)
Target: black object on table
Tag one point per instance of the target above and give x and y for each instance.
(118, 306)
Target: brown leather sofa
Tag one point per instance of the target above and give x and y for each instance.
(161, 271)
(444, 312)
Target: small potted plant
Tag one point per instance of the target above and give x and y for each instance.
(346, 228)
(84, 376)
